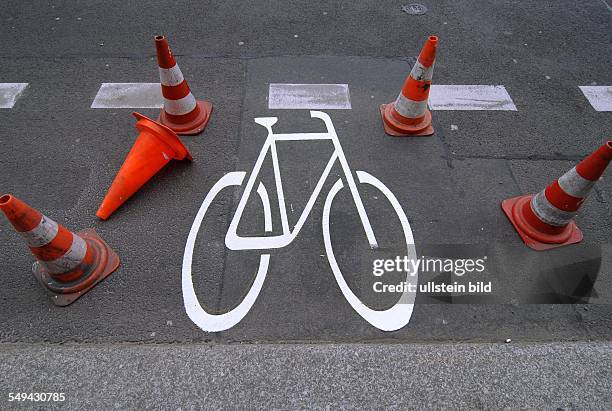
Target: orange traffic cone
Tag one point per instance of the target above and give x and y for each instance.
(181, 112)
(154, 148)
(68, 264)
(545, 220)
(409, 115)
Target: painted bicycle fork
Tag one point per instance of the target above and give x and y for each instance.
(235, 242)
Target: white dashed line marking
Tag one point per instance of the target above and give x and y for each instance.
(10, 92)
(600, 97)
(470, 97)
(309, 96)
(318, 96)
(128, 95)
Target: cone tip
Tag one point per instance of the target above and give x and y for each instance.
(162, 47)
(428, 53)
(6, 198)
(607, 149)
(164, 55)
(102, 214)
(5, 201)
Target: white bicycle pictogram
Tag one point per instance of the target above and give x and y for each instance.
(390, 319)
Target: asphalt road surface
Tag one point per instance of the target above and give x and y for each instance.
(60, 155)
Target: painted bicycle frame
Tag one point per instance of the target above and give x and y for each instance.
(236, 242)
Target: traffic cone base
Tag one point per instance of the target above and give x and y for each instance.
(106, 261)
(163, 133)
(191, 127)
(395, 128)
(540, 237)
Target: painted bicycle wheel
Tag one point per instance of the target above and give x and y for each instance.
(398, 315)
(202, 318)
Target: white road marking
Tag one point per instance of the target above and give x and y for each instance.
(319, 96)
(263, 194)
(390, 319)
(10, 92)
(233, 241)
(202, 318)
(600, 97)
(128, 95)
(398, 315)
(470, 97)
(309, 96)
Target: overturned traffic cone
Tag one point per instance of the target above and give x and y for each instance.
(545, 220)
(154, 148)
(181, 111)
(409, 115)
(68, 264)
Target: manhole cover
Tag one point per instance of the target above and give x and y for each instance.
(414, 9)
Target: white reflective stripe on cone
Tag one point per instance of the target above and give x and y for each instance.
(181, 106)
(171, 77)
(574, 184)
(69, 261)
(549, 213)
(422, 73)
(410, 108)
(42, 234)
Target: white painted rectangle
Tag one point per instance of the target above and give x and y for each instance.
(600, 97)
(128, 95)
(469, 97)
(309, 96)
(10, 92)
